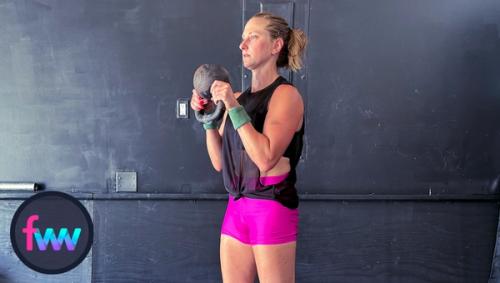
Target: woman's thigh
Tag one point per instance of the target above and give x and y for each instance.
(275, 263)
(237, 261)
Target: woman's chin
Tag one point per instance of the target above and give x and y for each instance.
(247, 66)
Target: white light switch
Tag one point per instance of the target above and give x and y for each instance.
(182, 109)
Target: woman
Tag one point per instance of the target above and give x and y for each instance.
(257, 150)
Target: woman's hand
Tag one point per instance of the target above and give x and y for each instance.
(197, 102)
(222, 91)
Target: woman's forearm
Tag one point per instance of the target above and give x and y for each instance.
(214, 148)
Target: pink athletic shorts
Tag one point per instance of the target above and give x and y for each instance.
(260, 221)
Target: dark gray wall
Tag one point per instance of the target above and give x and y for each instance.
(403, 97)
(402, 134)
(90, 87)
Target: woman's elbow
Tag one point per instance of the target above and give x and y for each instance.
(217, 166)
(265, 165)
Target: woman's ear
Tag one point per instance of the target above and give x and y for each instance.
(277, 45)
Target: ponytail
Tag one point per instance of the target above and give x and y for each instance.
(296, 46)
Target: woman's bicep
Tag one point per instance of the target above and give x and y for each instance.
(284, 115)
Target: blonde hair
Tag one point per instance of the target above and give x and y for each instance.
(295, 41)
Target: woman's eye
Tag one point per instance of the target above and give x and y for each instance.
(250, 37)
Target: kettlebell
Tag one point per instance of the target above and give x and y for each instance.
(203, 78)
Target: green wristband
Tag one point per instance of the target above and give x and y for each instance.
(238, 116)
(210, 125)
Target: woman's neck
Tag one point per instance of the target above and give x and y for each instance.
(263, 77)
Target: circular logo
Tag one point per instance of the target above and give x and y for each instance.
(51, 232)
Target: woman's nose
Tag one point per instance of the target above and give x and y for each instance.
(243, 44)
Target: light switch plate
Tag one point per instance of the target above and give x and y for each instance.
(182, 108)
(126, 181)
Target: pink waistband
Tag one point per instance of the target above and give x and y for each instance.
(271, 180)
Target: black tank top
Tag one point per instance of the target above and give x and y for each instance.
(240, 174)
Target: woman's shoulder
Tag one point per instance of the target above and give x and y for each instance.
(286, 91)
(286, 97)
